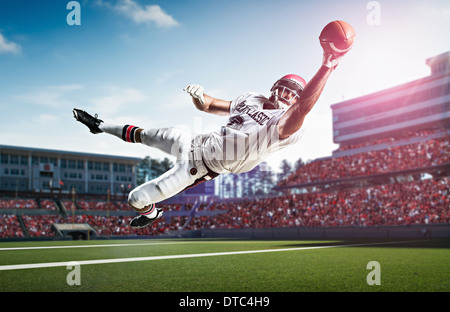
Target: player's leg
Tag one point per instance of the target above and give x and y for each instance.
(170, 140)
(143, 199)
(174, 141)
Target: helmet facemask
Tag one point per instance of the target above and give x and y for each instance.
(280, 88)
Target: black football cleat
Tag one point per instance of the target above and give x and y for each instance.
(92, 122)
(142, 221)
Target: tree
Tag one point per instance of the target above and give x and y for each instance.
(258, 181)
(285, 170)
(267, 179)
(298, 164)
(149, 168)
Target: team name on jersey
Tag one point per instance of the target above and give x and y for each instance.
(253, 113)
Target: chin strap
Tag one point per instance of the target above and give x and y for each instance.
(282, 105)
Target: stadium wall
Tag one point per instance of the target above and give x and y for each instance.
(410, 232)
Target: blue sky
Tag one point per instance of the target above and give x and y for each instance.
(129, 61)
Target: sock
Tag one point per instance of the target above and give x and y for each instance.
(151, 213)
(126, 133)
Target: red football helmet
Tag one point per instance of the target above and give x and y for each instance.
(293, 83)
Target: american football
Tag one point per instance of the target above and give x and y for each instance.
(337, 37)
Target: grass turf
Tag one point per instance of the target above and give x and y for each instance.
(409, 266)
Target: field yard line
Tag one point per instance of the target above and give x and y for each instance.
(119, 260)
(87, 246)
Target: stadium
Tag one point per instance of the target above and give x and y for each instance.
(384, 190)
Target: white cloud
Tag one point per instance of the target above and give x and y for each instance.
(8, 46)
(118, 99)
(70, 87)
(51, 96)
(148, 14)
(45, 119)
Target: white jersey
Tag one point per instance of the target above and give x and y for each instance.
(250, 136)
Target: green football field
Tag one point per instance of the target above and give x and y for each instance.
(231, 266)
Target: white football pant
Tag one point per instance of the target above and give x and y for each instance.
(188, 168)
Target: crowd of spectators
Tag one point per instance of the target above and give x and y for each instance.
(10, 226)
(415, 202)
(429, 153)
(97, 205)
(18, 203)
(418, 202)
(41, 225)
(48, 204)
(100, 205)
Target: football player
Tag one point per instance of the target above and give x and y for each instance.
(256, 127)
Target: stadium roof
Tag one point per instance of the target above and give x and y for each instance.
(32, 150)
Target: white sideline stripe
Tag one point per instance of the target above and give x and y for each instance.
(119, 260)
(87, 246)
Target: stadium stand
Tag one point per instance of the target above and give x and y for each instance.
(26, 219)
(39, 225)
(409, 197)
(396, 158)
(417, 202)
(48, 204)
(18, 204)
(10, 226)
(411, 200)
(96, 205)
(392, 168)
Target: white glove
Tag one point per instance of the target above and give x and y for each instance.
(196, 91)
(331, 60)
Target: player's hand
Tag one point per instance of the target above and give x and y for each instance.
(196, 91)
(331, 60)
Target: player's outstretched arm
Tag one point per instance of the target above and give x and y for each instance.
(336, 39)
(207, 103)
(293, 119)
